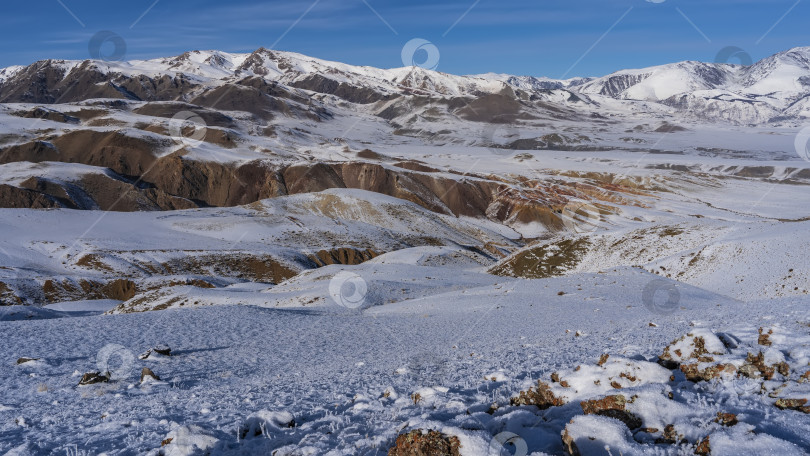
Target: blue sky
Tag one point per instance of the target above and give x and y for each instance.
(553, 38)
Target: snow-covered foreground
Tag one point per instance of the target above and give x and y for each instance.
(341, 360)
(352, 380)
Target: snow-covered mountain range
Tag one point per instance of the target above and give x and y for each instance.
(774, 90)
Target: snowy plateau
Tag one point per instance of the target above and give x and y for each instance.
(267, 253)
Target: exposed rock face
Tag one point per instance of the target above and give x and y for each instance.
(26, 360)
(147, 375)
(111, 194)
(322, 84)
(124, 154)
(65, 195)
(310, 178)
(569, 445)
(69, 290)
(21, 198)
(540, 396)
(91, 378)
(704, 447)
(755, 367)
(215, 184)
(7, 296)
(726, 419)
(163, 350)
(670, 435)
(793, 404)
(120, 289)
(347, 256)
(160, 350)
(765, 337)
(697, 372)
(425, 443)
(104, 192)
(237, 98)
(48, 81)
(612, 407)
(47, 114)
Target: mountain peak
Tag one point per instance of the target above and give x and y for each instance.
(797, 56)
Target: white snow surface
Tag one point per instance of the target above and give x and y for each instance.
(345, 377)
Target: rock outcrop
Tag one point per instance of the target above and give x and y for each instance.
(425, 443)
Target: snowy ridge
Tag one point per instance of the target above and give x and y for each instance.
(658, 83)
(766, 90)
(289, 67)
(9, 72)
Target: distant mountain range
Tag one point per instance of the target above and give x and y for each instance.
(775, 90)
